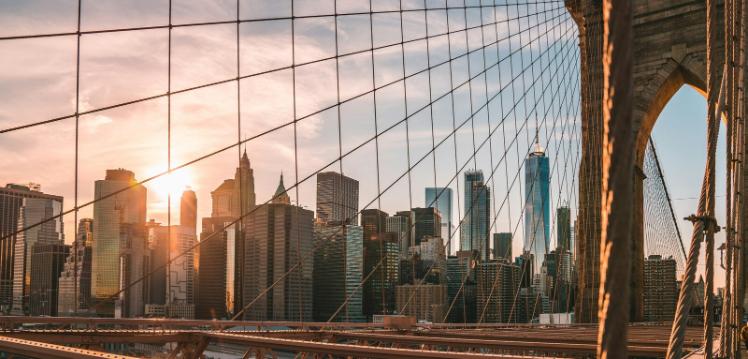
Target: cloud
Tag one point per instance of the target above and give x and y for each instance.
(37, 82)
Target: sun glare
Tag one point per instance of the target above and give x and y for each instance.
(173, 183)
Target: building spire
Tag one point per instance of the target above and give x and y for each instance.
(537, 148)
(244, 162)
(280, 195)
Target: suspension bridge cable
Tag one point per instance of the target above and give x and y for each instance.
(248, 76)
(414, 165)
(253, 137)
(459, 225)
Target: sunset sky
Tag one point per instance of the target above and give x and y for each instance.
(38, 78)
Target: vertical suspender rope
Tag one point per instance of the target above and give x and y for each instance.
(739, 212)
(677, 333)
(711, 33)
(617, 179)
(725, 322)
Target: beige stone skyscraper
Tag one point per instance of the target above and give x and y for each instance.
(244, 188)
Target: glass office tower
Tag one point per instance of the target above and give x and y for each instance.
(537, 206)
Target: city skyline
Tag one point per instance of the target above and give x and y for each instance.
(342, 167)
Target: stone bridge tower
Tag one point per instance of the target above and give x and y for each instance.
(669, 52)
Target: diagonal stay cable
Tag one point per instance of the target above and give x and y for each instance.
(254, 137)
(228, 224)
(252, 75)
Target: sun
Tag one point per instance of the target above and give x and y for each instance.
(172, 184)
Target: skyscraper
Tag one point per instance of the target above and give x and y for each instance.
(563, 228)
(337, 198)
(424, 301)
(47, 262)
(374, 222)
(382, 260)
(188, 210)
(426, 223)
(119, 245)
(11, 200)
(537, 206)
(279, 237)
(660, 289)
(461, 287)
(558, 268)
(280, 196)
(223, 200)
(441, 199)
(497, 283)
(502, 246)
(154, 286)
(76, 274)
(216, 293)
(474, 233)
(31, 212)
(401, 224)
(243, 202)
(244, 188)
(181, 266)
(221, 259)
(338, 271)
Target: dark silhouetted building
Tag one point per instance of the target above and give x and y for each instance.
(373, 221)
(461, 287)
(338, 271)
(441, 199)
(497, 284)
(401, 224)
(337, 198)
(216, 277)
(563, 228)
(279, 237)
(475, 229)
(502, 246)
(47, 262)
(426, 223)
(381, 264)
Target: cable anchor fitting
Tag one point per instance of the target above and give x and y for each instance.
(709, 222)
